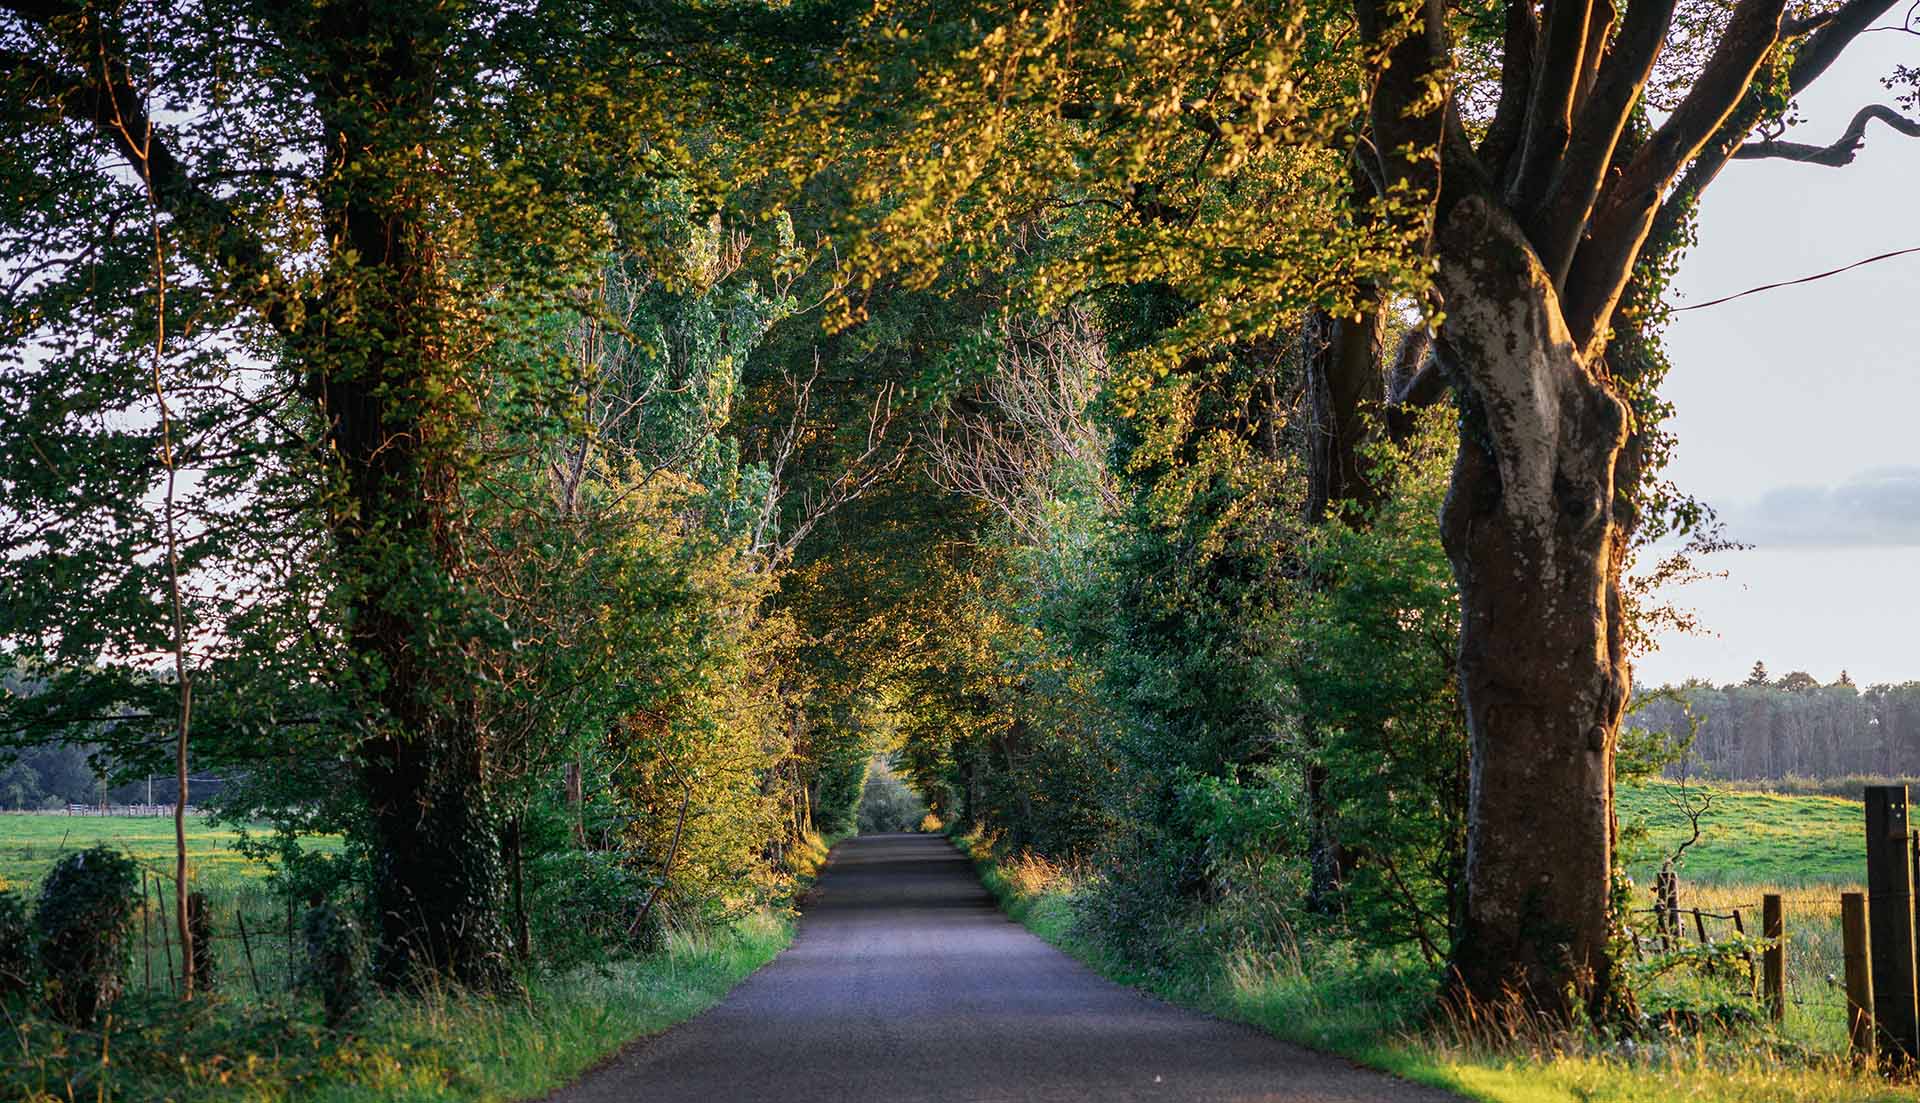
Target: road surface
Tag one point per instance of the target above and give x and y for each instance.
(906, 984)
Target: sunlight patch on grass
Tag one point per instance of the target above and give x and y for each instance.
(31, 842)
(1750, 837)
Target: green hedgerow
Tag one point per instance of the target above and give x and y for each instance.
(82, 923)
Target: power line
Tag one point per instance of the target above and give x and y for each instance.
(1790, 283)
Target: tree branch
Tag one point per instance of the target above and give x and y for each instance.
(1830, 35)
(1626, 212)
(108, 101)
(1516, 82)
(1555, 227)
(1842, 151)
(1407, 113)
(1556, 77)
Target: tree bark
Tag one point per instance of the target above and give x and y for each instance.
(1343, 358)
(1529, 527)
(576, 803)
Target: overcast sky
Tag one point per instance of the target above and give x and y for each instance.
(1799, 409)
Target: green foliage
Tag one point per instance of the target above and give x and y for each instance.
(81, 924)
(336, 963)
(1372, 662)
(17, 965)
(1190, 146)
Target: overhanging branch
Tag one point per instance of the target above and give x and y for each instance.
(1843, 149)
(108, 101)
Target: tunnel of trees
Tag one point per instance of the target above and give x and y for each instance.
(557, 445)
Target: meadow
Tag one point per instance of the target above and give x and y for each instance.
(30, 842)
(1747, 837)
(1807, 848)
(260, 1038)
(255, 937)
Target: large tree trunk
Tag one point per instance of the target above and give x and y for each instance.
(385, 369)
(438, 878)
(1346, 389)
(1529, 527)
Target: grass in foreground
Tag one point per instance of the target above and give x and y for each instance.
(269, 1045)
(1368, 1008)
(433, 1047)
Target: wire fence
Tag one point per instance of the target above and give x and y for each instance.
(1815, 959)
(250, 942)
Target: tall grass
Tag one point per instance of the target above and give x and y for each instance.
(267, 1043)
(427, 1046)
(1376, 1008)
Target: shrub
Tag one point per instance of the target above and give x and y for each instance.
(83, 921)
(582, 906)
(16, 945)
(336, 962)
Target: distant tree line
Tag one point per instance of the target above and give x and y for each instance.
(51, 777)
(1768, 728)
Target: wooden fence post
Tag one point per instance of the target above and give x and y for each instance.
(200, 922)
(1666, 896)
(1890, 921)
(1853, 938)
(1773, 960)
(246, 947)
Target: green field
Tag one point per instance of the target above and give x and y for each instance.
(1748, 838)
(31, 842)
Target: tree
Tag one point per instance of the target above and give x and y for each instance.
(1758, 676)
(361, 200)
(1537, 214)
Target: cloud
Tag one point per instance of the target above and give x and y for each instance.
(1876, 508)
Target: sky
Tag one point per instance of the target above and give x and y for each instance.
(1799, 408)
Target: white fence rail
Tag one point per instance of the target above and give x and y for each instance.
(152, 810)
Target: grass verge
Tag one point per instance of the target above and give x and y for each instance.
(1369, 1008)
(428, 1047)
(424, 1047)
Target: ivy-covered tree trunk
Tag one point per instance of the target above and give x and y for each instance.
(1536, 227)
(388, 388)
(1529, 526)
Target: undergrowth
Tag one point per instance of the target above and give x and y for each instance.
(431, 1046)
(434, 1046)
(1376, 1008)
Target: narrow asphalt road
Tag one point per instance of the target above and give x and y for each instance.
(906, 984)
